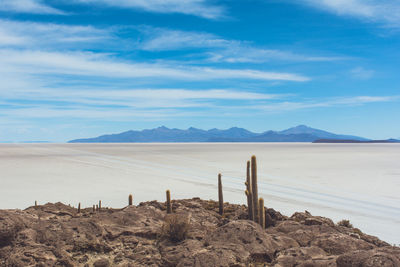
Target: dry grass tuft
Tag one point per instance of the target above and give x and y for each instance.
(176, 227)
(345, 223)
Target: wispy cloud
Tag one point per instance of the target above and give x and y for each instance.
(95, 64)
(325, 103)
(156, 104)
(135, 98)
(361, 73)
(28, 6)
(383, 11)
(35, 48)
(200, 8)
(218, 49)
(49, 35)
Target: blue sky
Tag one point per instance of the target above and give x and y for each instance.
(82, 68)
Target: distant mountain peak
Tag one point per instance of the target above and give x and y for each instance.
(302, 126)
(193, 129)
(162, 128)
(300, 133)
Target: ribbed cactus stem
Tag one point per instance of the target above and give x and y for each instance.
(130, 200)
(248, 179)
(250, 205)
(220, 195)
(261, 214)
(169, 206)
(254, 189)
(79, 207)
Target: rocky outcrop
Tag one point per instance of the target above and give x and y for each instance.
(57, 235)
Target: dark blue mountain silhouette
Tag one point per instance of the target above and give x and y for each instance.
(163, 134)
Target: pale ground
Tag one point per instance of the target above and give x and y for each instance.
(360, 182)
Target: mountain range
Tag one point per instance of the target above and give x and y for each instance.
(301, 133)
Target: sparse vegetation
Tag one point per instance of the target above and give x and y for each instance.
(345, 223)
(176, 227)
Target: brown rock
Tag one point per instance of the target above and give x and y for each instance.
(336, 244)
(103, 262)
(56, 235)
(388, 257)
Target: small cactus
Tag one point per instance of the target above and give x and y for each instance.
(220, 195)
(130, 200)
(254, 189)
(169, 206)
(261, 214)
(79, 207)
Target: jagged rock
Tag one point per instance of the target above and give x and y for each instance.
(56, 235)
(103, 262)
(386, 257)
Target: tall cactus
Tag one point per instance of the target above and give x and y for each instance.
(248, 179)
(169, 206)
(99, 205)
(35, 203)
(261, 214)
(249, 192)
(79, 207)
(254, 186)
(130, 200)
(94, 208)
(220, 195)
(250, 205)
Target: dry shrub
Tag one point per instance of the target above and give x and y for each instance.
(345, 223)
(176, 227)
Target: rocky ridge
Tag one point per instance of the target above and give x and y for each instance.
(57, 235)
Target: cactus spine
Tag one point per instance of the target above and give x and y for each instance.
(261, 215)
(79, 207)
(169, 206)
(254, 191)
(220, 195)
(130, 200)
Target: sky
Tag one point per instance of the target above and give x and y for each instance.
(82, 68)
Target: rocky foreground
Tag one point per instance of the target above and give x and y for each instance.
(195, 235)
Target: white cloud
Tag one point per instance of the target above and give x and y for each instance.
(324, 103)
(134, 98)
(28, 6)
(9, 38)
(159, 39)
(101, 65)
(361, 73)
(218, 49)
(384, 11)
(159, 105)
(49, 35)
(199, 8)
